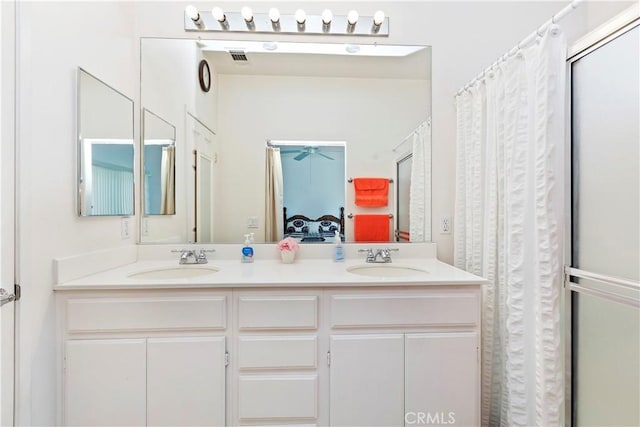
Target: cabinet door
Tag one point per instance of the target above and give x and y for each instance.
(442, 378)
(367, 380)
(186, 381)
(105, 382)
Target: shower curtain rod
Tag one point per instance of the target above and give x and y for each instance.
(524, 42)
(428, 121)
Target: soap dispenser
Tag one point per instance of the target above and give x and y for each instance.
(338, 250)
(247, 249)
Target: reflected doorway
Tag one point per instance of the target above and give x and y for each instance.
(403, 192)
(313, 189)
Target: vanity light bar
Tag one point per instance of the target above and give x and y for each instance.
(216, 20)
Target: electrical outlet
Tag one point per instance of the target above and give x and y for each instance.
(445, 225)
(125, 229)
(145, 226)
(252, 222)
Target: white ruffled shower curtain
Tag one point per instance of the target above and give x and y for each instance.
(420, 188)
(508, 228)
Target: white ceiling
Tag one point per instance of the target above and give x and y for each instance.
(415, 65)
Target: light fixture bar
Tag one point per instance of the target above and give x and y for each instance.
(261, 23)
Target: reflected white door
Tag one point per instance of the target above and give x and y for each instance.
(201, 146)
(204, 199)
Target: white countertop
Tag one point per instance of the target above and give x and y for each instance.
(272, 273)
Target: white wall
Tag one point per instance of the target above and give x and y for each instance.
(55, 38)
(371, 115)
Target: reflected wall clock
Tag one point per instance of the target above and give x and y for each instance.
(204, 75)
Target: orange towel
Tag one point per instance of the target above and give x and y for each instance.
(371, 228)
(371, 192)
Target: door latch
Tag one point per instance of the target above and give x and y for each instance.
(6, 297)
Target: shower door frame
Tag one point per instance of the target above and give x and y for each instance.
(597, 38)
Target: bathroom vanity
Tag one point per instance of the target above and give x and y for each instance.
(309, 343)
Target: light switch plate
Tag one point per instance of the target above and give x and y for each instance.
(252, 222)
(125, 228)
(145, 226)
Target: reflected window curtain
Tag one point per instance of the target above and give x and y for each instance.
(112, 191)
(420, 187)
(274, 221)
(167, 180)
(508, 228)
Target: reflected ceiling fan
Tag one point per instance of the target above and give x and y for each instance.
(305, 152)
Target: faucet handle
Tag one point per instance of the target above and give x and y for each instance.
(392, 249)
(369, 250)
(180, 251)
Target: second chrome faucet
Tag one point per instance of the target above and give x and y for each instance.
(379, 255)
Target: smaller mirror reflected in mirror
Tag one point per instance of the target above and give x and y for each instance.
(159, 153)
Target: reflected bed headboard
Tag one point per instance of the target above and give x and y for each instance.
(319, 229)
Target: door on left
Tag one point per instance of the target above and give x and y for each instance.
(7, 161)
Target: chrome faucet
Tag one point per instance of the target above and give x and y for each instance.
(379, 256)
(190, 254)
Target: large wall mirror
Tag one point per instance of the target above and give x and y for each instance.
(372, 99)
(105, 149)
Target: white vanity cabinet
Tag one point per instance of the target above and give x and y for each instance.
(404, 356)
(276, 356)
(339, 355)
(144, 358)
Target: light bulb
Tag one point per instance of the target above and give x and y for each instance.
(352, 17)
(301, 17)
(218, 14)
(246, 13)
(274, 15)
(192, 13)
(378, 18)
(327, 16)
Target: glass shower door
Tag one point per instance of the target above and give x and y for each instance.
(604, 274)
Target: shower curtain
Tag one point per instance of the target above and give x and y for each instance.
(167, 181)
(508, 228)
(420, 188)
(274, 220)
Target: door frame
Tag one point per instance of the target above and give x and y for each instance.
(8, 226)
(405, 156)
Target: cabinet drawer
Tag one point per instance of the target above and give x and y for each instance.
(146, 314)
(380, 310)
(271, 352)
(278, 312)
(278, 397)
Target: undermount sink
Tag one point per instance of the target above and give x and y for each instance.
(386, 270)
(182, 272)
